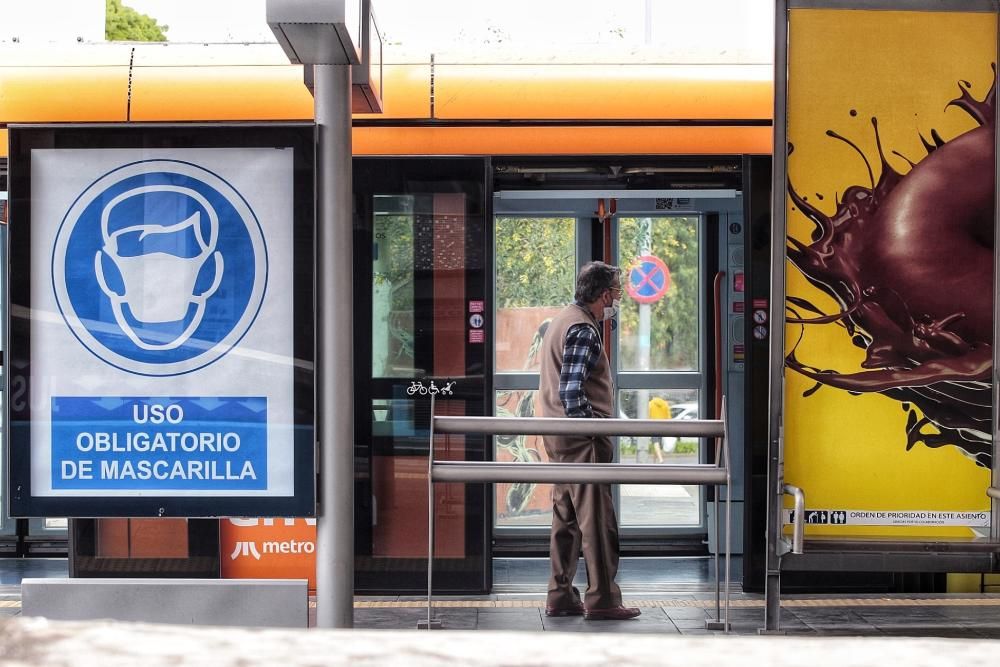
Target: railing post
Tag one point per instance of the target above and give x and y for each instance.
(431, 623)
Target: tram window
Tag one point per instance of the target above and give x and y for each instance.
(535, 273)
(392, 288)
(666, 336)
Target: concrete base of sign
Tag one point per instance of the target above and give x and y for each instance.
(233, 602)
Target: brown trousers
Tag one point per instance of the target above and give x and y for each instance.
(583, 515)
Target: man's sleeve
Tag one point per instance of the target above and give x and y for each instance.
(580, 355)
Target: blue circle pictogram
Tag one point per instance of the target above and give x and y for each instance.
(648, 279)
(159, 267)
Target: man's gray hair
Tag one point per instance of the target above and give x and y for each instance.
(594, 278)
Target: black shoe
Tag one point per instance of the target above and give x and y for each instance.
(573, 610)
(618, 613)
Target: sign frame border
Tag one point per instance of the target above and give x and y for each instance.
(23, 138)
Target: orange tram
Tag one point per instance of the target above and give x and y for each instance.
(480, 189)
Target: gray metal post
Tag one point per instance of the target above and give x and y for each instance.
(334, 350)
(995, 480)
(776, 366)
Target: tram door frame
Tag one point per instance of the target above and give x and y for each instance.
(591, 243)
(390, 462)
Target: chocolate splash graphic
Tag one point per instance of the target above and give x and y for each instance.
(909, 260)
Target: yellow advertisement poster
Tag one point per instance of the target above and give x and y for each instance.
(889, 325)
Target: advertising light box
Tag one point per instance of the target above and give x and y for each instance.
(890, 312)
(161, 320)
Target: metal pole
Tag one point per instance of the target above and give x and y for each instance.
(334, 350)
(645, 328)
(432, 623)
(718, 545)
(776, 366)
(995, 504)
(698, 428)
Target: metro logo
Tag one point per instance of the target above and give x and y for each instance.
(283, 548)
(289, 547)
(245, 549)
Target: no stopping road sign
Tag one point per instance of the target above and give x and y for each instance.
(648, 279)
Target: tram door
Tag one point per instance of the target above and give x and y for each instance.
(659, 345)
(420, 331)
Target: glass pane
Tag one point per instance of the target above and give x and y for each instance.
(646, 504)
(521, 504)
(392, 288)
(659, 323)
(535, 273)
(399, 482)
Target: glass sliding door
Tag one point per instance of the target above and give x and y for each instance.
(536, 259)
(420, 265)
(660, 360)
(656, 345)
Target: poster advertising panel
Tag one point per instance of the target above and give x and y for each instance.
(889, 327)
(160, 338)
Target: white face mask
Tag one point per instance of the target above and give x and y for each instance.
(159, 286)
(611, 312)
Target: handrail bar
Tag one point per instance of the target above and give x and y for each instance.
(799, 520)
(576, 473)
(716, 474)
(701, 428)
(993, 492)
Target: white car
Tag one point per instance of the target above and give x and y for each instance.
(684, 411)
(679, 411)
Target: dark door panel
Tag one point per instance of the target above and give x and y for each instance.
(420, 290)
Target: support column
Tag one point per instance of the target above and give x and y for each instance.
(776, 370)
(334, 349)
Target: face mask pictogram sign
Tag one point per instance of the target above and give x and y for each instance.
(161, 338)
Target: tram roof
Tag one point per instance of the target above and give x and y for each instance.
(433, 105)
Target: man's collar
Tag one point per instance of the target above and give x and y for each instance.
(586, 309)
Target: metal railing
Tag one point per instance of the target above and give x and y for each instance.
(798, 520)
(491, 472)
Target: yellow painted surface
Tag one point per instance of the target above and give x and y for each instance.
(603, 91)
(561, 140)
(848, 452)
(63, 94)
(241, 82)
(260, 92)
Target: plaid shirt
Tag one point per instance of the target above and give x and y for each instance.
(580, 355)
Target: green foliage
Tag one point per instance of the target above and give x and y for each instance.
(393, 272)
(536, 261)
(122, 23)
(394, 239)
(630, 446)
(686, 447)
